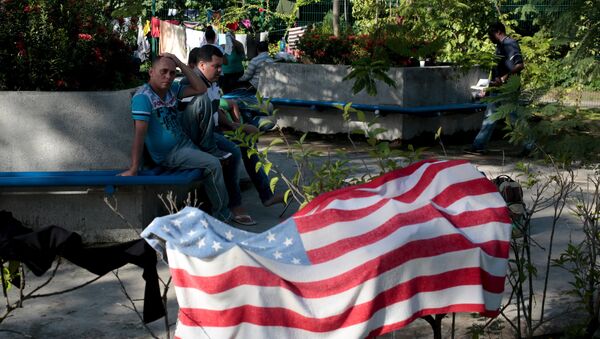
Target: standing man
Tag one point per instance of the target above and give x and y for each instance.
(510, 61)
(156, 121)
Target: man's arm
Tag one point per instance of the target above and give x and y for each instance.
(141, 128)
(196, 86)
(249, 74)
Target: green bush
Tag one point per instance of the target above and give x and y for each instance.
(62, 45)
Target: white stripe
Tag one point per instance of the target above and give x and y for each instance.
(389, 315)
(338, 303)
(296, 273)
(346, 229)
(140, 112)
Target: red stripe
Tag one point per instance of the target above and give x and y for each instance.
(460, 190)
(456, 308)
(258, 276)
(402, 172)
(424, 214)
(280, 316)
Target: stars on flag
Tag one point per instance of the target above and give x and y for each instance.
(191, 233)
(288, 242)
(216, 246)
(176, 222)
(277, 254)
(204, 223)
(165, 228)
(295, 261)
(270, 237)
(229, 235)
(201, 243)
(191, 214)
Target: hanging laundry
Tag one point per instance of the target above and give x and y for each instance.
(191, 13)
(191, 24)
(155, 27)
(173, 40)
(193, 38)
(286, 7)
(142, 43)
(214, 15)
(38, 249)
(147, 27)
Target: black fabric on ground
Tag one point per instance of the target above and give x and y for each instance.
(38, 249)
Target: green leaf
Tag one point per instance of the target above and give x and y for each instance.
(360, 115)
(258, 166)
(438, 133)
(267, 167)
(273, 183)
(276, 141)
(301, 141)
(286, 195)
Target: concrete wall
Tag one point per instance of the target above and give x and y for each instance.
(43, 131)
(415, 87)
(70, 131)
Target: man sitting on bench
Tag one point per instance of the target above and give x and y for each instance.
(157, 125)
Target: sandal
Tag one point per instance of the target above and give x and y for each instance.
(243, 219)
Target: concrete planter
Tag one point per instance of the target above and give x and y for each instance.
(72, 131)
(415, 87)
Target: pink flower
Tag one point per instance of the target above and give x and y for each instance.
(86, 37)
(260, 10)
(27, 9)
(246, 23)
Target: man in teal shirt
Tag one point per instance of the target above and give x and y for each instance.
(156, 121)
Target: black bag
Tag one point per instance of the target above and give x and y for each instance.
(512, 193)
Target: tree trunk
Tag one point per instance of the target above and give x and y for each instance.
(336, 18)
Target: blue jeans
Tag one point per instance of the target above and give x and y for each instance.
(259, 179)
(230, 170)
(487, 129)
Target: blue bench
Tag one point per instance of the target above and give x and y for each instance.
(106, 178)
(434, 110)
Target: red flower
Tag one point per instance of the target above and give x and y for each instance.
(233, 26)
(260, 10)
(60, 83)
(27, 9)
(86, 37)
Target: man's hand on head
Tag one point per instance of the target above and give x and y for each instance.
(172, 57)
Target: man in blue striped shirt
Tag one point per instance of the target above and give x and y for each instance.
(257, 63)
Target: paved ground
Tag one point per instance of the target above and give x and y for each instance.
(101, 310)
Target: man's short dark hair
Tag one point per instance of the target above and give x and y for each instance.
(496, 27)
(204, 53)
(262, 46)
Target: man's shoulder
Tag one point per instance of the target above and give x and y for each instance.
(510, 41)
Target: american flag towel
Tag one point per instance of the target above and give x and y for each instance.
(357, 262)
